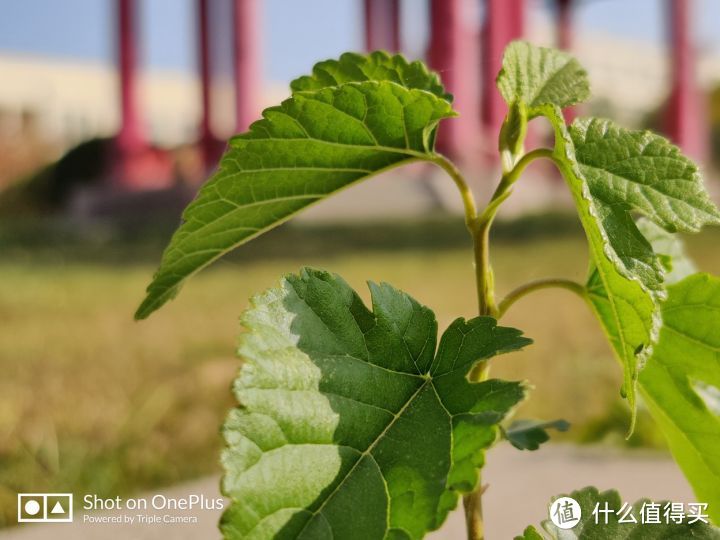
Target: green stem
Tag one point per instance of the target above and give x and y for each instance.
(480, 230)
(465, 192)
(479, 227)
(537, 285)
(472, 503)
(484, 279)
(509, 178)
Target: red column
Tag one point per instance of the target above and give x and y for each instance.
(130, 140)
(504, 22)
(564, 24)
(204, 65)
(453, 54)
(382, 25)
(684, 123)
(247, 70)
(210, 146)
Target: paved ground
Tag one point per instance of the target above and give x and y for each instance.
(520, 484)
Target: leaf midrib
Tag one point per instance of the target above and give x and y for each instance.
(367, 453)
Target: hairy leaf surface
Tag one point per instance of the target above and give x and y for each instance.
(311, 146)
(638, 171)
(351, 412)
(681, 383)
(377, 66)
(587, 529)
(625, 282)
(538, 76)
(643, 171)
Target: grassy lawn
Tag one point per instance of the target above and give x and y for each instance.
(93, 402)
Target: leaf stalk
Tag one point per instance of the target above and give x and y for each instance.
(466, 193)
(537, 285)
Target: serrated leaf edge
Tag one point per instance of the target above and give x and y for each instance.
(565, 151)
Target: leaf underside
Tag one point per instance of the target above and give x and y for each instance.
(681, 383)
(351, 412)
(587, 529)
(352, 119)
(669, 249)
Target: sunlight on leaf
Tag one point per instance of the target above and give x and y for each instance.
(344, 410)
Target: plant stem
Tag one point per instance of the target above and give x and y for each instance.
(484, 280)
(509, 177)
(465, 191)
(479, 227)
(472, 504)
(536, 285)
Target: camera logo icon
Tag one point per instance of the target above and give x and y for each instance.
(45, 507)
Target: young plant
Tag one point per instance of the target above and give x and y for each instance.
(362, 423)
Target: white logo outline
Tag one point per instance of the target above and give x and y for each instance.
(565, 512)
(23, 499)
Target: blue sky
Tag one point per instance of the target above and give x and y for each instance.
(295, 32)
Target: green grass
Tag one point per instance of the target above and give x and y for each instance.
(93, 402)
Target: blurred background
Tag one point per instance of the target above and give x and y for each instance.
(113, 112)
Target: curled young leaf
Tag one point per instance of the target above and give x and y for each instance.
(346, 411)
(537, 76)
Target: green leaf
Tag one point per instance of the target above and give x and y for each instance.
(681, 383)
(591, 528)
(681, 377)
(377, 66)
(669, 247)
(625, 171)
(347, 411)
(644, 172)
(530, 533)
(538, 76)
(311, 146)
(530, 434)
(625, 282)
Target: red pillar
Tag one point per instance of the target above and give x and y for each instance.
(211, 147)
(564, 24)
(684, 122)
(130, 140)
(504, 22)
(382, 25)
(247, 70)
(453, 54)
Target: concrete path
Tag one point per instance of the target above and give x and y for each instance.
(519, 487)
